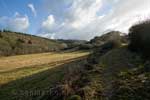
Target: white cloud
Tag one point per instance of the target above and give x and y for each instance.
(81, 14)
(32, 8)
(47, 35)
(126, 13)
(88, 18)
(84, 12)
(16, 23)
(48, 24)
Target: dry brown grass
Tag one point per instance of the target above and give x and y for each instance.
(13, 62)
(16, 67)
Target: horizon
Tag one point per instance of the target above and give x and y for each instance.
(71, 19)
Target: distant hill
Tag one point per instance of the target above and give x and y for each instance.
(73, 43)
(110, 36)
(13, 43)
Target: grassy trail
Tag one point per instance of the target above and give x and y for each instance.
(13, 62)
(15, 67)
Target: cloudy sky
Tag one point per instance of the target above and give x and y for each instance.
(71, 19)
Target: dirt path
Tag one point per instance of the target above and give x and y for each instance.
(107, 81)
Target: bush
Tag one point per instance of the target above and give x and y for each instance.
(87, 92)
(147, 66)
(111, 44)
(139, 36)
(132, 85)
(5, 30)
(1, 36)
(59, 92)
(29, 42)
(75, 97)
(86, 46)
(20, 40)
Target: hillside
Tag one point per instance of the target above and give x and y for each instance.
(118, 75)
(35, 74)
(74, 50)
(110, 72)
(110, 36)
(12, 43)
(123, 75)
(73, 43)
(115, 67)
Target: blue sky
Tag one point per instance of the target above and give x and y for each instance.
(9, 8)
(71, 19)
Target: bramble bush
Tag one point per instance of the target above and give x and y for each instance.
(139, 36)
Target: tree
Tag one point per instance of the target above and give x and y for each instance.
(139, 36)
(1, 35)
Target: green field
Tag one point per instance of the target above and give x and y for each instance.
(34, 72)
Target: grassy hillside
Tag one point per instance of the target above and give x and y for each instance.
(119, 74)
(112, 71)
(26, 77)
(109, 73)
(12, 43)
(73, 43)
(110, 36)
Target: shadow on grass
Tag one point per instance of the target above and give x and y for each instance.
(34, 86)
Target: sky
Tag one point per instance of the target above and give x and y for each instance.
(72, 19)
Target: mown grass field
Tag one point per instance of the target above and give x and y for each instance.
(34, 71)
(13, 62)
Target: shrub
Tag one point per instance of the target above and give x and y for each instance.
(147, 66)
(86, 92)
(139, 36)
(132, 85)
(75, 97)
(59, 92)
(85, 46)
(1, 36)
(111, 44)
(20, 40)
(29, 42)
(5, 30)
